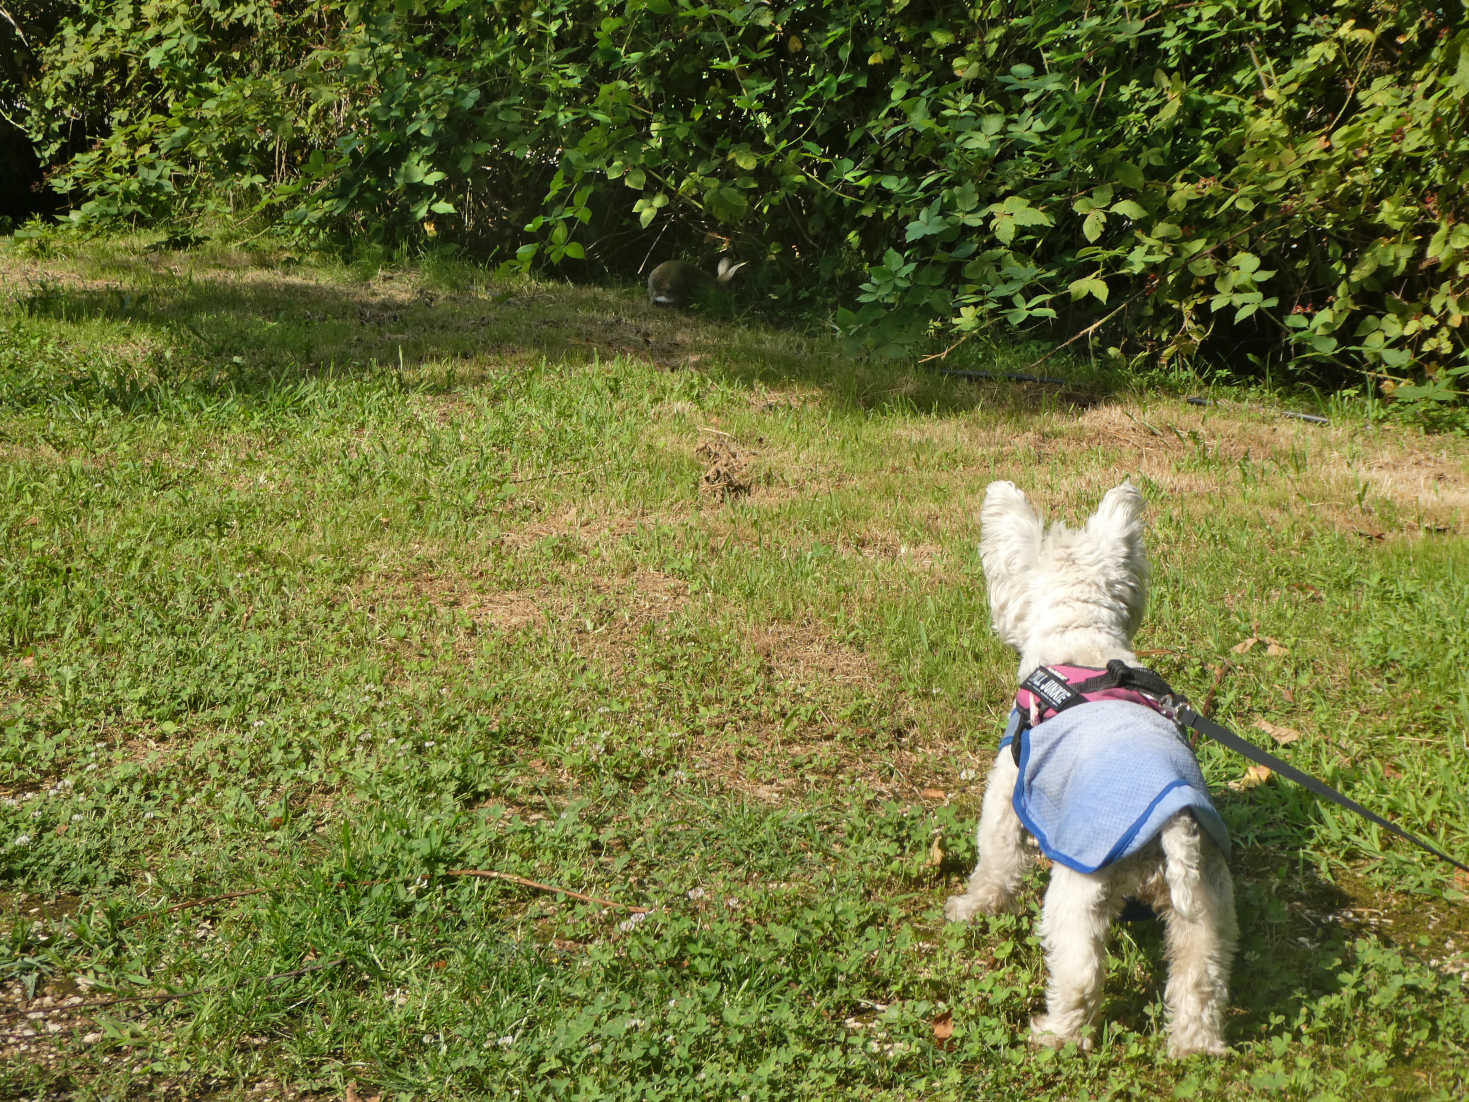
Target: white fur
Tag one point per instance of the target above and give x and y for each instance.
(1066, 597)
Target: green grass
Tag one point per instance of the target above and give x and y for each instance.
(320, 587)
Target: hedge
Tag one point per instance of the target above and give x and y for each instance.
(1276, 186)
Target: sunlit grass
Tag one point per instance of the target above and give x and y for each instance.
(327, 585)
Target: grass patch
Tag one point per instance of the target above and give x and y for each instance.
(321, 587)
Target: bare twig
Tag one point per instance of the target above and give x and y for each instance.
(649, 254)
(170, 996)
(1003, 376)
(483, 874)
(1207, 704)
(493, 874)
(1087, 332)
(944, 355)
(203, 901)
(552, 474)
(16, 26)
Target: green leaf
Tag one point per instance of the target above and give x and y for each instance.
(1130, 176)
(1088, 285)
(1024, 214)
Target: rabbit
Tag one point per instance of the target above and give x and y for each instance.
(679, 283)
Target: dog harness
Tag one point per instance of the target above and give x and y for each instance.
(1052, 689)
(1097, 783)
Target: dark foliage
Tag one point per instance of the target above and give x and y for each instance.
(1255, 184)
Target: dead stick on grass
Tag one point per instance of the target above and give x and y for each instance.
(203, 901)
(167, 996)
(553, 474)
(492, 874)
(482, 874)
(1208, 703)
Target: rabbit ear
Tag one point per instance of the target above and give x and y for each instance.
(728, 268)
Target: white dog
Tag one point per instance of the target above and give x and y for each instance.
(1073, 599)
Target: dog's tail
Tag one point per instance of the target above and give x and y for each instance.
(1183, 865)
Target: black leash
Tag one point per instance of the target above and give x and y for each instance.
(1191, 719)
(1058, 695)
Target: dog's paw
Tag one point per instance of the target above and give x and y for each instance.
(960, 908)
(979, 901)
(1044, 1035)
(1180, 1048)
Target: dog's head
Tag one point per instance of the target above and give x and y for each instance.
(1062, 595)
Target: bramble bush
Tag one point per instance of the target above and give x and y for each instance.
(1276, 185)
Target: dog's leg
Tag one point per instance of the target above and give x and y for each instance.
(1073, 929)
(1003, 857)
(1202, 931)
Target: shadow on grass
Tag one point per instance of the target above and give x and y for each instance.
(252, 330)
(1293, 945)
(1299, 935)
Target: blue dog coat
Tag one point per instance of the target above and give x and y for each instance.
(1098, 781)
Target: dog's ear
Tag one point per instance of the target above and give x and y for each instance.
(1116, 528)
(1119, 518)
(1010, 538)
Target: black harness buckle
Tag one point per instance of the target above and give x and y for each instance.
(1056, 694)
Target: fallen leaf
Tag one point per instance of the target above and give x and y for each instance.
(1283, 735)
(936, 851)
(943, 1028)
(1274, 647)
(935, 794)
(1254, 777)
(1245, 647)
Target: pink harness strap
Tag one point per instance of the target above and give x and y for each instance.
(1035, 710)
